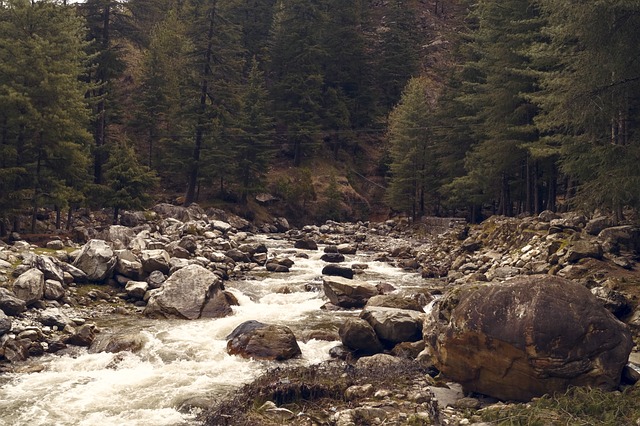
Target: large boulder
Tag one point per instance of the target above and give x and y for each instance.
(348, 293)
(526, 337)
(190, 293)
(253, 339)
(413, 303)
(306, 244)
(5, 323)
(338, 271)
(128, 264)
(119, 235)
(97, 260)
(619, 239)
(393, 325)
(114, 343)
(10, 304)
(155, 260)
(358, 335)
(29, 286)
(49, 267)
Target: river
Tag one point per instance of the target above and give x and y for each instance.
(182, 361)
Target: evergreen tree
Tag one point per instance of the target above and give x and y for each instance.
(413, 183)
(296, 73)
(128, 181)
(255, 143)
(105, 21)
(215, 34)
(42, 107)
(591, 98)
(397, 50)
(348, 77)
(165, 94)
(501, 114)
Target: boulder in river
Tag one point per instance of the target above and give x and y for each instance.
(306, 244)
(337, 271)
(393, 325)
(526, 337)
(188, 294)
(97, 260)
(358, 335)
(253, 339)
(348, 293)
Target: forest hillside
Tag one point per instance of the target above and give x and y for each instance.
(320, 109)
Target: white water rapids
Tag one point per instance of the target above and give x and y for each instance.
(181, 360)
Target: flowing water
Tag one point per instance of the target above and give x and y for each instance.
(182, 361)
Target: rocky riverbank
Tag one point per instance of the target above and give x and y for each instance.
(55, 294)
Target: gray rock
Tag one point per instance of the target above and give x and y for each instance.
(82, 336)
(414, 303)
(49, 267)
(97, 260)
(128, 264)
(348, 293)
(5, 323)
(136, 289)
(186, 294)
(156, 279)
(306, 244)
(53, 317)
(119, 234)
(256, 340)
(10, 304)
(333, 257)
(347, 248)
(583, 249)
(53, 290)
(29, 286)
(132, 342)
(338, 271)
(55, 245)
(155, 260)
(394, 325)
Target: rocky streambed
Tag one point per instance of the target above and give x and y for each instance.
(160, 319)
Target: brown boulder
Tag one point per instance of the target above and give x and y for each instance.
(358, 334)
(347, 293)
(253, 339)
(525, 338)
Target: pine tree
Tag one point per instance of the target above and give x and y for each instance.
(255, 142)
(218, 64)
(165, 93)
(413, 184)
(44, 114)
(128, 181)
(398, 52)
(296, 72)
(590, 97)
(501, 114)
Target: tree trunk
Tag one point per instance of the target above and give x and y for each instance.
(99, 132)
(69, 218)
(58, 218)
(116, 213)
(204, 90)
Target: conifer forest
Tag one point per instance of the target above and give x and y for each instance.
(340, 109)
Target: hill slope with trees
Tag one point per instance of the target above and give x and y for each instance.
(339, 110)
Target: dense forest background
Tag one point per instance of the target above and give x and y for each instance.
(337, 109)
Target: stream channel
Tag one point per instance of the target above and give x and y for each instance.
(183, 360)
